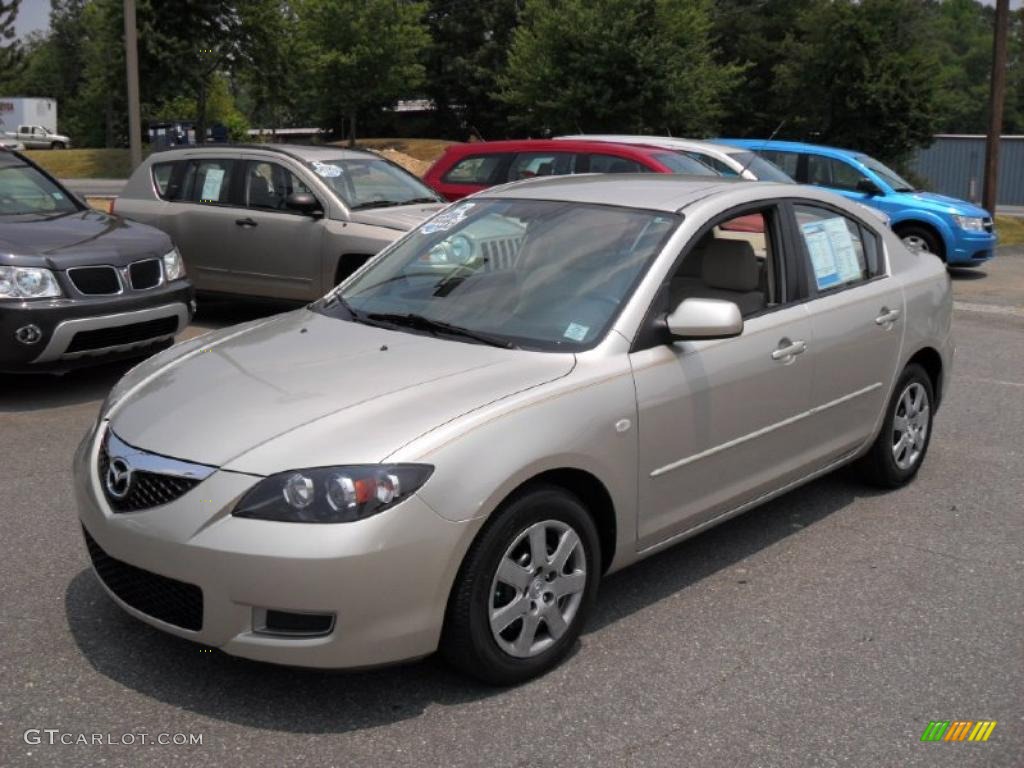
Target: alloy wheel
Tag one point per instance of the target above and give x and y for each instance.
(910, 425)
(537, 589)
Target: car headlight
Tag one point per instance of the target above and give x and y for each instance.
(28, 283)
(970, 223)
(174, 267)
(332, 494)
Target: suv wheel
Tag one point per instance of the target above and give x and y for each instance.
(921, 239)
(524, 590)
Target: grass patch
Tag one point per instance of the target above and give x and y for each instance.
(1010, 230)
(84, 163)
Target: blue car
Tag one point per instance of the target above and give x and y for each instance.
(957, 231)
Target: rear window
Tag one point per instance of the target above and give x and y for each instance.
(681, 163)
(530, 164)
(787, 161)
(612, 164)
(474, 170)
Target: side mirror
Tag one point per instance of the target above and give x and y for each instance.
(303, 202)
(705, 319)
(868, 187)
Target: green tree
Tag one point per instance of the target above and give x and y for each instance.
(364, 56)
(10, 49)
(862, 75)
(616, 66)
(469, 48)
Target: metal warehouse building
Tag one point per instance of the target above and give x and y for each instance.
(955, 165)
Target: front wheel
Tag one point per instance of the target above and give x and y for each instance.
(524, 590)
(920, 239)
(57, 145)
(900, 448)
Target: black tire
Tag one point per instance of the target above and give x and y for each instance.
(57, 145)
(879, 466)
(931, 242)
(467, 641)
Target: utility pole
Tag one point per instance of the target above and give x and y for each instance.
(131, 57)
(995, 108)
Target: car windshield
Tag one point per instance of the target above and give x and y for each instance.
(764, 170)
(889, 176)
(372, 183)
(23, 190)
(537, 274)
(680, 163)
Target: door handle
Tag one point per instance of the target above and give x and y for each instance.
(787, 350)
(887, 316)
(246, 222)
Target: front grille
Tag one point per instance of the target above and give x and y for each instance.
(145, 274)
(169, 600)
(95, 281)
(501, 254)
(117, 335)
(146, 489)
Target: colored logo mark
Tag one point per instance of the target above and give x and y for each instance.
(958, 730)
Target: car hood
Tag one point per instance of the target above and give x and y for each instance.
(944, 204)
(401, 217)
(82, 237)
(352, 393)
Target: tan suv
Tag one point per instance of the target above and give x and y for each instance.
(278, 221)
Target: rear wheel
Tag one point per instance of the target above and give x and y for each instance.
(524, 591)
(900, 448)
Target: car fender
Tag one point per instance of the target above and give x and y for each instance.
(919, 216)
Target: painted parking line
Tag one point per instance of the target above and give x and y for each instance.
(991, 309)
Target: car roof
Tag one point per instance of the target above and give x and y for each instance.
(795, 146)
(660, 142)
(549, 145)
(649, 191)
(302, 152)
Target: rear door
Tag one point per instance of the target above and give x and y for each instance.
(858, 316)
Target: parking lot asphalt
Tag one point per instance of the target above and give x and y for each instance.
(826, 628)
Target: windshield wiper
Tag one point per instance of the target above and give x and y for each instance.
(422, 323)
(392, 203)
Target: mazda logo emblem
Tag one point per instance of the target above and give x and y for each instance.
(119, 478)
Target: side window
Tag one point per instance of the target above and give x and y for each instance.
(210, 181)
(474, 170)
(842, 252)
(787, 161)
(734, 261)
(269, 185)
(162, 173)
(529, 164)
(612, 164)
(829, 172)
(714, 162)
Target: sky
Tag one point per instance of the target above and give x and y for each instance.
(35, 14)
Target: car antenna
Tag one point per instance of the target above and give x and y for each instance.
(753, 154)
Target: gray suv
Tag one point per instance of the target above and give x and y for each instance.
(277, 221)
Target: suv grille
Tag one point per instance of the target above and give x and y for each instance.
(146, 489)
(145, 274)
(169, 600)
(95, 280)
(100, 338)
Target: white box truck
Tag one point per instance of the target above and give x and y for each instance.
(32, 122)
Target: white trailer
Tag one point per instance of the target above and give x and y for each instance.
(21, 110)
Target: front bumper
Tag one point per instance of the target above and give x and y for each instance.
(73, 332)
(385, 579)
(971, 248)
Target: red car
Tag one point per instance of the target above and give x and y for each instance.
(467, 168)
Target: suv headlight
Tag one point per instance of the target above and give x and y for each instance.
(174, 267)
(332, 494)
(28, 283)
(970, 223)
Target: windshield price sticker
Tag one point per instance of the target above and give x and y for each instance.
(445, 221)
(576, 332)
(326, 170)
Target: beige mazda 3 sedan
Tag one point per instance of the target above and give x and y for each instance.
(538, 386)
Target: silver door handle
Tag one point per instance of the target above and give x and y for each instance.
(790, 350)
(887, 316)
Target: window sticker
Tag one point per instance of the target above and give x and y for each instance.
(576, 332)
(57, 195)
(832, 252)
(326, 170)
(446, 220)
(211, 184)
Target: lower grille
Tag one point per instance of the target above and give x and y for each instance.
(145, 274)
(95, 280)
(115, 336)
(163, 598)
(146, 489)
